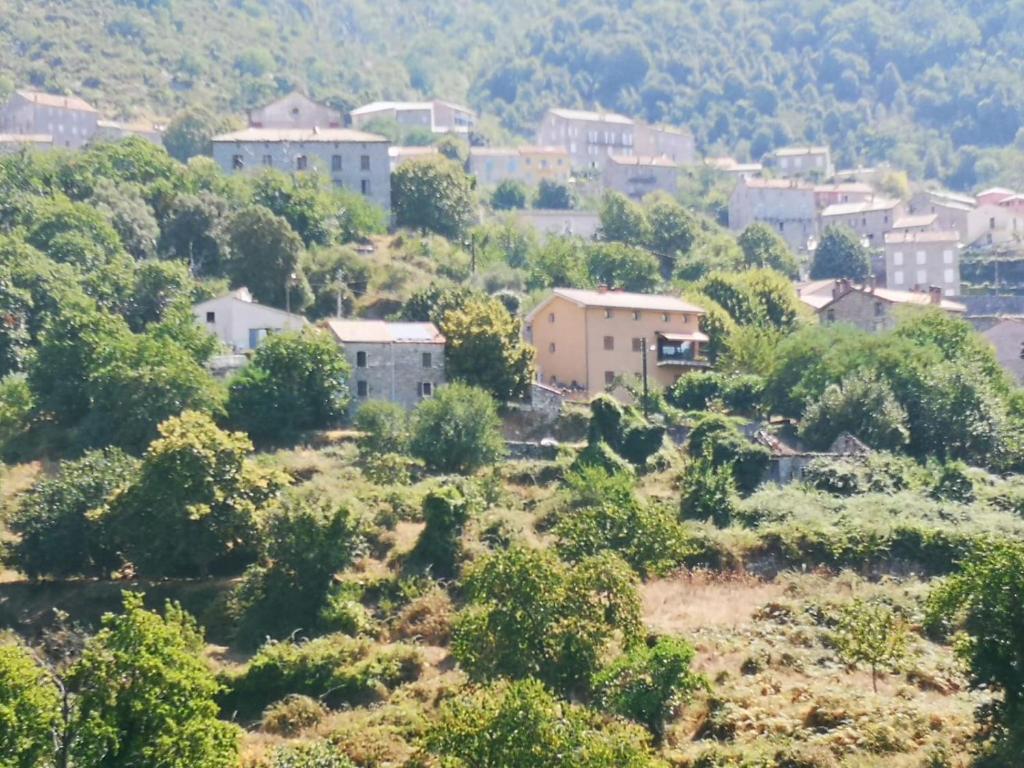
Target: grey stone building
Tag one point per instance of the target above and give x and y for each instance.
(871, 308)
(295, 111)
(638, 176)
(787, 206)
(68, 120)
(399, 362)
(351, 159)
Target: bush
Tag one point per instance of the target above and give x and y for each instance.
(707, 492)
(29, 710)
(457, 430)
(508, 195)
(335, 669)
(385, 428)
(56, 535)
(291, 715)
(700, 390)
(445, 512)
(838, 477)
(862, 405)
(295, 382)
(622, 429)
(953, 483)
(716, 437)
(317, 754)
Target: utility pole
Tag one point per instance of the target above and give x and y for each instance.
(339, 277)
(643, 349)
(288, 292)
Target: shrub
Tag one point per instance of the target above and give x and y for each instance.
(715, 436)
(649, 683)
(57, 537)
(457, 430)
(385, 428)
(872, 634)
(317, 754)
(335, 669)
(427, 618)
(29, 710)
(700, 390)
(707, 492)
(291, 715)
(838, 477)
(445, 512)
(953, 483)
(623, 430)
(530, 615)
(862, 405)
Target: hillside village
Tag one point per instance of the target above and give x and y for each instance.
(346, 440)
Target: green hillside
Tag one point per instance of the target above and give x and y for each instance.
(931, 85)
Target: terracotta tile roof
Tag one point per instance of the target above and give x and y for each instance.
(53, 100)
(929, 236)
(597, 117)
(868, 206)
(381, 332)
(845, 186)
(623, 300)
(300, 135)
(643, 160)
(917, 220)
(917, 298)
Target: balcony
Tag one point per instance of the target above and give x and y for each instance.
(682, 350)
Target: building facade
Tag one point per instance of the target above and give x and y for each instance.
(69, 120)
(787, 206)
(919, 260)
(527, 165)
(677, 144)
(241, 323)
(435, 116)
(588, 137)
(402, 363)
(351, 159)
(796, 162)
(638, 175)
(295, 111)
(843, 193)
(875, 309)
(871, 220)
(585, 340)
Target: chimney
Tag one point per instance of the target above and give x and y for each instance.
(602, 288)
(935, 294)
(841, 287)
(871, 283)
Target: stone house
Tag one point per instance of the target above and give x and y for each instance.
(402, 363)
(796, 162)
(639, 175)
(917, 260)
(295, 110)
(528, 165)
(842, 193)
(677, 144)
(870, 219)
(588, 137)
(869, 307)
(787, 206)
(435, 116)
(399, 156)
(11, 143)
(242, 323)
(351, 159)
(68, 120)
(732, 167)
(584, 339)
(913, 223)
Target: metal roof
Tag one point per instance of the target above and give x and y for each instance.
(382, 332)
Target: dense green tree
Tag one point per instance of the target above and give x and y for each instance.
(432, 195)
(159, 285)
(334, 271)
(622, 266)
(264, 257)
(484, 348)
(763, 247)
(432, 303)
(673, 230)
(295, 382)
(554, 195)
(508, 195)
(56, 535)
(623, 221)
(192, 502)
(130, 216)
(193, 229)
(144, 695)
(530, 615)
(561, 262)
(521, 725)
(457, 430)
(862, 405)
(438, 549)
(302, 200)
(840, 254)
(872, 634)
(707, 492)
(190, 132)
(30, 711)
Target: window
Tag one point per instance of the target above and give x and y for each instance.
(922, 257)
(636, 314)
(551, 317)
(211, 317)
(897, 258)
(948, 276)
(664, 317)
(609, 342)
(301, 163)
(360, 359)
(608, 314)
(237, 162)
(638, 345)
(364, 186)
(992, 223)
(879, 309)
(947, 257)
(551, 347)
(427, 360)
(426, 389)
(364, 163)
(361, 389)
(335, 163)
(922, 277)
(830, 316)
(897, 277)
(609, 377)
(268, 160)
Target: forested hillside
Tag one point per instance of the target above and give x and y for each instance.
(931, 85)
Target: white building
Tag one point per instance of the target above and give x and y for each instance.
(921, 260)
(241, 323)
(295, 111)
(435, 116)
(351, 159)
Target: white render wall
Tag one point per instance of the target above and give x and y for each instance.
(233, 319)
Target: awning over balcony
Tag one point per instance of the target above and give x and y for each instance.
(695, 336)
